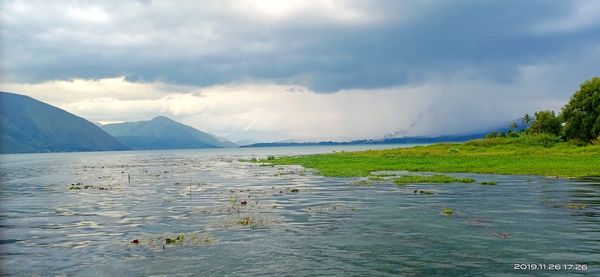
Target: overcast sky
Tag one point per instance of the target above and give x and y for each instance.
(274, 70)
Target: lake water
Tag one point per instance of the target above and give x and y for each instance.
(203, 212)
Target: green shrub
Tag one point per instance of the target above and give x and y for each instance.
(453, 150)
(541, 139)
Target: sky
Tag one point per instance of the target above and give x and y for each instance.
(269, 70)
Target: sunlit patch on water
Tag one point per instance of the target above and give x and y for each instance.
(205, 212)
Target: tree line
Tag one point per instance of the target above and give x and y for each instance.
(579, 119)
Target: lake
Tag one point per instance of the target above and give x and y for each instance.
(205, 212)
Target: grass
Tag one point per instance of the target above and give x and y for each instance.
(523, 155)
(435, 179)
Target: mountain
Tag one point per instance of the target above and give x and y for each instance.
(397, 140)
(163, 133)
(457, 138)
(28, 125)
(244, 142)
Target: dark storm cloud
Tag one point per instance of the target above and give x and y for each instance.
(209, 43)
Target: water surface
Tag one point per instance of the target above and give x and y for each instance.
(241, 218)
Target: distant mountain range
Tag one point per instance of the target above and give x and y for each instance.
(31, 126)
(28, 125)
(163, 133)
(457, 138)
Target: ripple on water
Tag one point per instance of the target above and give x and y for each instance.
(241, 218)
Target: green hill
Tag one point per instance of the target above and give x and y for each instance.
(163, 133)
(28, 125)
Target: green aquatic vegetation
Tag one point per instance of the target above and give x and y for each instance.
(528, 155)
(384, 174)
(364, 182)
(205, 239)
(291, 172)
(488, 183)
(175, 239)
(158, 242)
(251, 221)
(246, 221)
(81, 186)
(576, 206)
(434, 179)
(76, 186)
(419, 191)
(377, 178)
(448, 211)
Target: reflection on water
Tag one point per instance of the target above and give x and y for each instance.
(204, 212)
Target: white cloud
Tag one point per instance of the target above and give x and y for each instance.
(332, 11)
(404, 67)
(90, 14)
(444, 106)
(61, 92)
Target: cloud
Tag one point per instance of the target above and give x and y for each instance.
(324, 45)
(273, 70)
(579, 17)
(271, 112)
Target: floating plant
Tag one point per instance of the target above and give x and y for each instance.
(245, 221)
(158, 242)
(364, 182)
(80, 186)
(178, 239)
(448, 211)
(576, 206)
(434, 179)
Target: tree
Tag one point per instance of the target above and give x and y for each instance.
(546, 122)
(582, 114)
(526, 120)
(513, 132)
